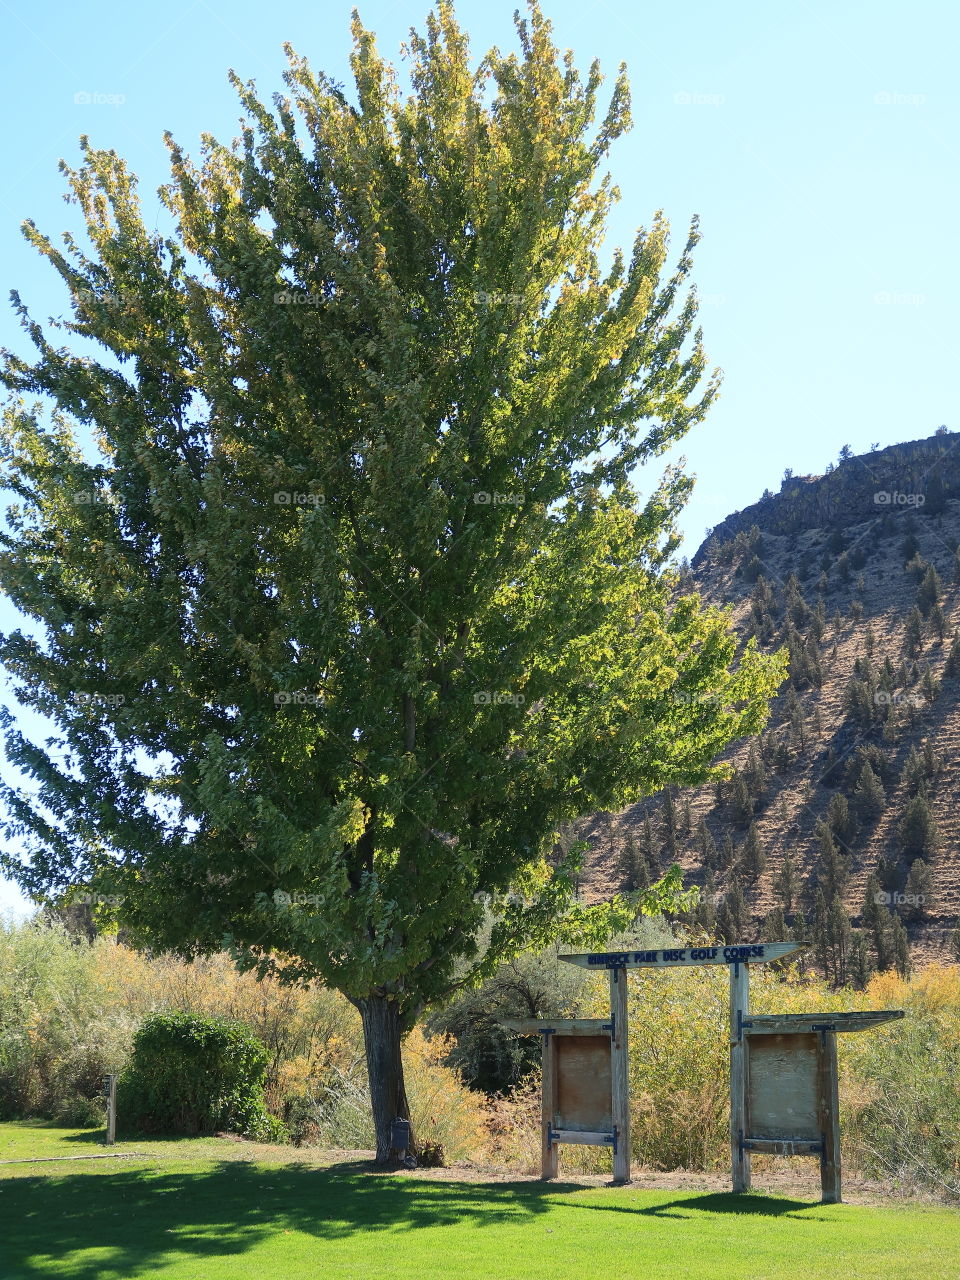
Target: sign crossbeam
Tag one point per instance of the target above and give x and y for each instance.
(678, 957)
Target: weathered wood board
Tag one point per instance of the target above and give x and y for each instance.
(583, 1083)
(782, 1087)
(679, 957)
(778, 1023)
(558, 1026)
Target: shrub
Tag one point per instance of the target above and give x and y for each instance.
(60, 1031)
(81, 1113)
(196, 1075)
(489, 1057)
(513, 1126)
(900, 1092)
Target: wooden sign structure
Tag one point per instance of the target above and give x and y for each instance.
(783, 1068)
(790, 1101)
(585, 1093)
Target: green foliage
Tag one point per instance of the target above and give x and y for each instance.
(753, 857)
(918, 890)
(786, 884)
(530, 986)
(951, 667)
(839, 818)
(60, 1032)
(913, 638)
(919, 834)
(195, 1075)
(929, 591)
(869, 798)
(900, 944)
(832, 936)
(877, 922)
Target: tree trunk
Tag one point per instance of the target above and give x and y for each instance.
(381, 1039)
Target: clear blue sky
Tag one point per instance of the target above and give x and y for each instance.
(817, 141)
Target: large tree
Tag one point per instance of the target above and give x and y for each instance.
(345, 604)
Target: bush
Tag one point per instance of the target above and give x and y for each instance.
(61, 1029)
(901, 1088)
(81, 1113)
(489, 1057)
(195, 1075)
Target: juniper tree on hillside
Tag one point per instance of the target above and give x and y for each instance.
(919, 833)
(913, 636)
(868, 796)
(753, 859)
(839, 817)
(670, 823)
(918, 889)
(860, 967)
(833, 866)
(786, 884)
(706, 845)
(928, 593)
(900, 944)
(342, 601)
(876, 921)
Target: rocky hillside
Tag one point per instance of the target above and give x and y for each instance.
(841, 822)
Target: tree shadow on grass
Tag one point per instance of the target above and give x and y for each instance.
(753, 1204)
(136, 1219)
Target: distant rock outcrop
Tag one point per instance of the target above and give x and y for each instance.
(919, 475)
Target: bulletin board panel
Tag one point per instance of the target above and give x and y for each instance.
(584, 1084)
(783, 1087)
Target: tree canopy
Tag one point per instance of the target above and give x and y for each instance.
(346, 602)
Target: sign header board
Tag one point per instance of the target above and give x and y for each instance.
(674, 957)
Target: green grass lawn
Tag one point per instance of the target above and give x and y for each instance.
(183, 1211)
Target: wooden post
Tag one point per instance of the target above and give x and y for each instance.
(829, 1099)
(739, 1009)
(548, 1107)
(620, 1075)
(110, 1091)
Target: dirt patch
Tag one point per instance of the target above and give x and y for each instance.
(795, 1184)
